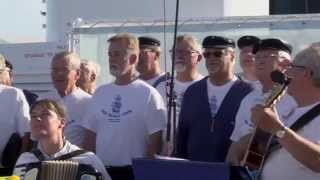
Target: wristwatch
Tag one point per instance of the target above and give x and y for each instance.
(282, 132)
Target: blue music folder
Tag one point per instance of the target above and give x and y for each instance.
(158, 169)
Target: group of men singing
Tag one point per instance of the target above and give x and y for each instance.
(216, 114)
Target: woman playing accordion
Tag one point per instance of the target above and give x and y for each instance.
(47, 124)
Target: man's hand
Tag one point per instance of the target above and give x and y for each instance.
(266, 118)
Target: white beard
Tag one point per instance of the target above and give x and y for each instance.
(180, 67)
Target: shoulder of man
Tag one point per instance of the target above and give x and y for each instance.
(198, 84)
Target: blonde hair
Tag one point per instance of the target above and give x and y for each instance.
(130, 40)
(72, 58)
(92, 66)
(191, 40)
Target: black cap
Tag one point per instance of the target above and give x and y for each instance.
(247, 41)
(217, 42)
(148, 41)
(272, 43)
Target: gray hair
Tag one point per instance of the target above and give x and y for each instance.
(310, 58)
(192, 41)
(72, 58)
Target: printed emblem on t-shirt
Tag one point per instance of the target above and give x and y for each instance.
(179, 97)
(213, 106)
(116, 110)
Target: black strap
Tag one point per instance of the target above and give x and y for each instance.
(71, 154)
(38, 154)
(297, 125)
(161, 79)
(306, 118)
(41, 157)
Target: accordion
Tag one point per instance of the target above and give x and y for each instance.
(62, 170)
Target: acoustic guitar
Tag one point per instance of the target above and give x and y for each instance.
(261, 140)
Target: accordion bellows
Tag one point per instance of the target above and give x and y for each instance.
(64, 170)
(53, 170)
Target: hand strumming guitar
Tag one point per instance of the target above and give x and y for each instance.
(266, 118)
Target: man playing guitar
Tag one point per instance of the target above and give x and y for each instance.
(298, 157)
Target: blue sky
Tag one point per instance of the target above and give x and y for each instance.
(21, 21)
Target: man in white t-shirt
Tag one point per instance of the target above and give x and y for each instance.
(246, 59)
(270, 54)
(125, 118)
(149, 61)
(14, 113)
(187, 57)
(65, 71)
(209, 106)
(299, 156)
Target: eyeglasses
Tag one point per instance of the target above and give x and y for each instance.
(145, 51)
(217, 54)
(296, 67)
(63, 70)
(117, 53)
(268, 56)
(184, 52)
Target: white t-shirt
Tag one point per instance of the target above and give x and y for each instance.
(123, 116)
(180, 88)
(85, 158)
(216, 94)
(281, 165)
(14, 114)
(153, 80)
(244, 124)
(255, 84)
(76, 105)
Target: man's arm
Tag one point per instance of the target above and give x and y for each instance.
(90, 141)
(154, 145)
(302, 149)
(238, 149)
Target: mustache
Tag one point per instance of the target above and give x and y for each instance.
(114, 66)
(179, 62)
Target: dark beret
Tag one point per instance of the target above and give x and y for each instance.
(217, 42)
(272, 43)
(247, 41)
(148, 41)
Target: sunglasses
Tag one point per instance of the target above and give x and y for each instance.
(217, 54)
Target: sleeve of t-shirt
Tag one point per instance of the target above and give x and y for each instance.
(90, 116)
(155, 113)
(242, 122)
(22, 115)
